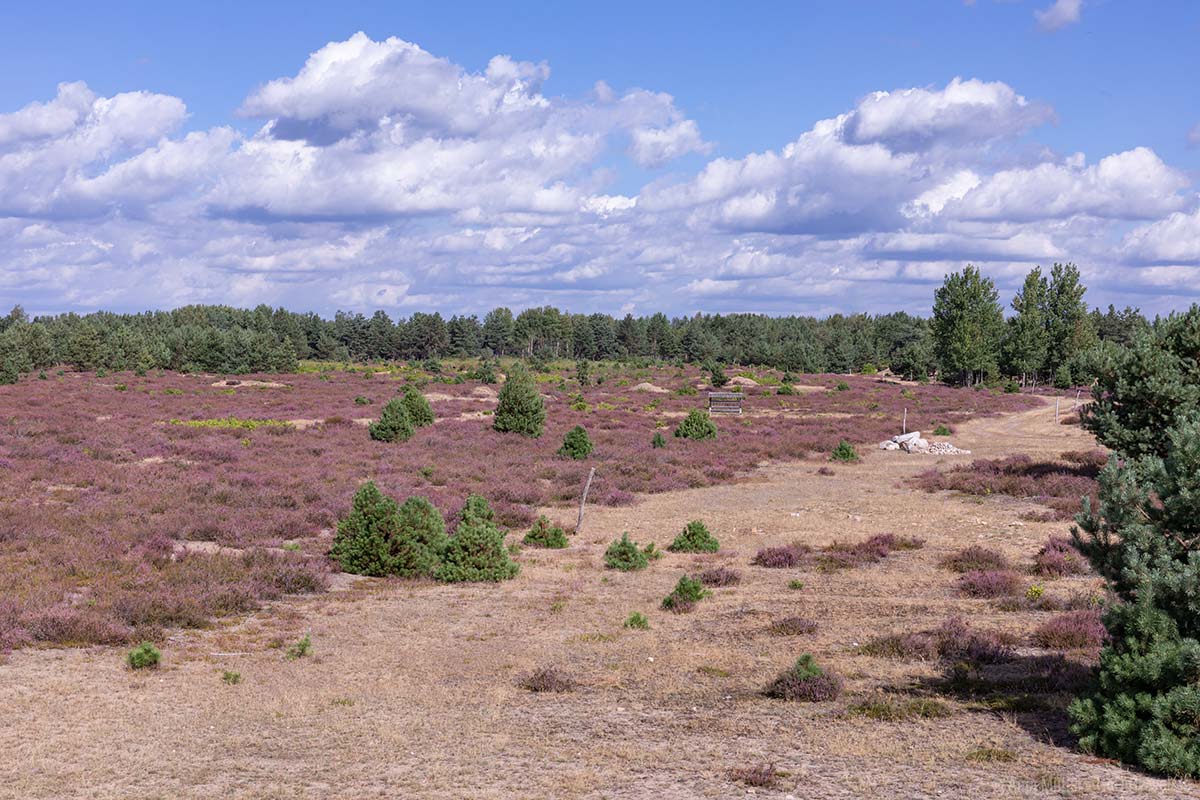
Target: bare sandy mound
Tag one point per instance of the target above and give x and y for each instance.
(742, 381)
(650, 387)
(250, 384)
(484, 392)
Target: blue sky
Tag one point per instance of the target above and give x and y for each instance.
(1072, 134)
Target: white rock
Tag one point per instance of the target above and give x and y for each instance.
(901, 438)
(889, 445)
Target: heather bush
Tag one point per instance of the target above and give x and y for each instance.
(576, 444)
(953, 641)
(144, 656)
(547, 679)
(975, 559)
(695, 538)
(520, 408)
(720, 576)
(845, 555)
(1075, 630)
(685, 595)
(990, 584)
(476, 553)
(696, 425)
(792, 626)
(623, 554)
(762, 776)
(787, 556)
(637, 621)
(394, 424)
(1058, 557)
(417, 406)
(543, 534)
(805, 681)
(1056, 485)
(362, 544)
(886, 707)
(844, 452)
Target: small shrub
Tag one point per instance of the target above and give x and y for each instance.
(953, 641)
(543, 534)
(942, 430)
(991, 755)
(476, 508)
(762, 776)
(658, 441)
(519, 408)
(1075, 630)
(576, 444)
(1058, 558)
(232, 678)
(362, 401)
(697, 425)
(583, 372)
(792, 555)
(394, 424)
(844, 452)
(826, 472)
(362, 542)
(990, 584)
(652, 552)
(300, 648)
(477, 554)
(1011, 387)
(547, 679)
(804, 681)
(685, 595)
(975, 559)
(795, 585)
(415, 548)
(717, 375)
(637, 621)
(842, 386)
(786, 389)
(417, 406)
(890, 708)
(720, 576)
(144, 656)
(624, 555)
(695, 538)
(792, 626)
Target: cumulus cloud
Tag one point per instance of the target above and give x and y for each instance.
(381, 175)
(1059, 14)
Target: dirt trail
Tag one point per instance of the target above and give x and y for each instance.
(411, 688)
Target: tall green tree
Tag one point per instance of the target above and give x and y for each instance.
(967, 326)
(1025, 345)
(1068, 324)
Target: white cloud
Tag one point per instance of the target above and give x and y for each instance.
(1059, 14)
(1173, 240)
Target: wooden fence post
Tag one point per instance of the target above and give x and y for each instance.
(1056, 409)
(904, 425)
(583, 500)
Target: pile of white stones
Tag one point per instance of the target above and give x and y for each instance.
(913, 443)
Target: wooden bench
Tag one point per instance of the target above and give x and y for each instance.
(725, 402)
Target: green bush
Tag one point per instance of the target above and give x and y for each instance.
(658, 441)
(576, 444)
(869, 369)
(637, 621)
(717, 374)
(543, 534)
(695, 538)
(394, 424)
(844, 452)
(941, 430)
(484, 373)
(362, 401)
(842, 386)
(583, 372)
(144, 656)
(1012, 387)
(362, 544)
(300, 648)
(476, 508)
(786, 389)
(685, 595)
(696, 425)
(418, 408)
(623, 554)
(520, 408)
(477, 554)
(1062, 378)
(416, 547)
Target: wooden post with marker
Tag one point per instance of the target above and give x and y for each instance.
(583, 500)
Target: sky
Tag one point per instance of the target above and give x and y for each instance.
(779, 158)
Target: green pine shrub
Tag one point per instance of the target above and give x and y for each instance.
(624, 555)
(477, 554)
(394, 424)
(685, 595)
(519, 408)
(144, 656)
(362, 544)
(416, 547)
(417, 406)
(576, 444)
(543, 534)
(696, 425)
(658, 442)
(942, 430)
(786, 389)
(476, 508)
(844, 452)
(637, 621)
(695, 538)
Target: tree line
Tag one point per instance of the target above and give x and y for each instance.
(967, 340)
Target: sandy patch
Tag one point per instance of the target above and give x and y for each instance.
(650, 387)
(739, 380)
(233, 383)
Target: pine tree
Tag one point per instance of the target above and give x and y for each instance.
(477, 553)
(416, 548)
(519, 408)
(418, 408)
(393, 424)
(362, 544)
(576, 444)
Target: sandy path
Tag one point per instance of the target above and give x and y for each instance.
(410, 691)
